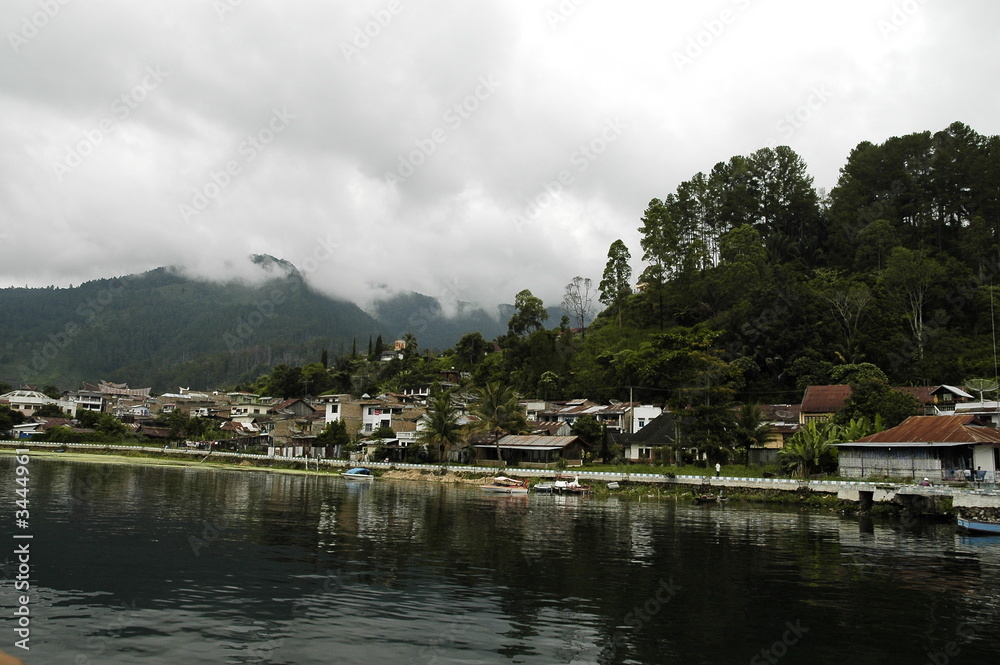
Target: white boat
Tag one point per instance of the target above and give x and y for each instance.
(358, 473)
(505, 485)
(562, 485)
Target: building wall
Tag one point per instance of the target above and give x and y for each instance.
(879, 462)
(985, 457)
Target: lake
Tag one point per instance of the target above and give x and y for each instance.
(147, 564)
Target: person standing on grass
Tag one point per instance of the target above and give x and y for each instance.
(718, 469)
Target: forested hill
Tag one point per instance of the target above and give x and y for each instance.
(894, 267)
(754, 286)
(165, 330)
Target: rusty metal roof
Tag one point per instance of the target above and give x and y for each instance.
(938, 429)
(825, 399)
(533, 440)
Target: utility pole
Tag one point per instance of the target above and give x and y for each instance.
(631, 412)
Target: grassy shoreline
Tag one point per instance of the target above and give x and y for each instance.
(631, 490)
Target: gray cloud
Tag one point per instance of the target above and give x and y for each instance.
(286, 119)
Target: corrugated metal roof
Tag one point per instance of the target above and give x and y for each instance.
(526, 440)
(955, 390)
(903, 444)
(521, 447)
(825, 399)
(937, 429)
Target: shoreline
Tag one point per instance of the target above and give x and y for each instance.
(280, 466)
(629, 490)
(843, 497)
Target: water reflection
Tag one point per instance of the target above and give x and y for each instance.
(157, 564)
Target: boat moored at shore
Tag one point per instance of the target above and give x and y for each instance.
(563, 485)
(358, 473)
(979, 526)
(505, 485)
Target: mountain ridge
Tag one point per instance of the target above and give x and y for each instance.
(163, 328)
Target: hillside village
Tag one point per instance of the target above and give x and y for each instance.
(387, 427)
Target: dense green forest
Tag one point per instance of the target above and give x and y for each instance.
(165, 330)
(753, 285)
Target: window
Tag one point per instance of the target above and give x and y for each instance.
(644, 453)
(368, 427)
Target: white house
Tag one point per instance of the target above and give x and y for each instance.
(87, 400)
(29, 401)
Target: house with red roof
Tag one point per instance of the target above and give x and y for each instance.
(935, 447)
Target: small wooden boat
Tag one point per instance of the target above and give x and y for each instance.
(563, 485)
(710, 498)
(358, 473)
(505, 485)
(979, 526)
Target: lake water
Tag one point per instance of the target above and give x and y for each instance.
(134, 564)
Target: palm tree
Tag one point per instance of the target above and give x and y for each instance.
(441, 428)
(751, 428)
(499, 413)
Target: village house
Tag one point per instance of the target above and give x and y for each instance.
(988, 411)
(29, 401)
(947, 399)
(957, 447)
(625, 417)
(664, 431)
(87, 400)
(569, 411)
(550, 428)
(293, 407)
(533, 452)
(783, 421)
(821, 403)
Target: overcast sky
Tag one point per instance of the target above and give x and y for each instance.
(460, 148)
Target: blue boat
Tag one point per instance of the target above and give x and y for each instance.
(979, 526)
(358, 473)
